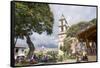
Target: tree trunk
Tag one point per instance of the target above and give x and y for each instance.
(31, 47)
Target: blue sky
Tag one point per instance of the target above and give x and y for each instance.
(73, 15)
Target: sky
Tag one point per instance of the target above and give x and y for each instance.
(73, 15)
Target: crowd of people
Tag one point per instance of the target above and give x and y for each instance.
(35, 59)
(81, 54)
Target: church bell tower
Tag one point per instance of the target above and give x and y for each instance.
(63, 27)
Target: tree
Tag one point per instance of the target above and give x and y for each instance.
(93, 21)
(67, 45)
(75, 28)
(30, 18)
(72, 32)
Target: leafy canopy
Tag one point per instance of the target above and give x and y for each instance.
(31, 17)
(74, 29)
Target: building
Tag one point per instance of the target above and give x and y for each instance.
(89, 36)
(20, 51)
(63, 27)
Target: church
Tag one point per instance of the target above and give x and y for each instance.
(63, 27)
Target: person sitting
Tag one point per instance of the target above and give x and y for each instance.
(84, 58)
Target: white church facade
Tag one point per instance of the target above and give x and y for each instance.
(63, 27)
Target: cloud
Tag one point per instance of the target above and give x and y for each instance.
(43, 39)
(73, 14)
(39, 40)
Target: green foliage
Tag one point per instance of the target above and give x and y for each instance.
(67, 45)
(72, 32)
(53, 55)
(31, 17)
(93, 21)
(74, 29)
(60, 58)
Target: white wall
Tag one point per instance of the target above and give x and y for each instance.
(5, 34)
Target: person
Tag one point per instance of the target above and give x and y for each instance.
(32, 59)
(81, 51)
(84, 54)
(78, 49)
(85, 58)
